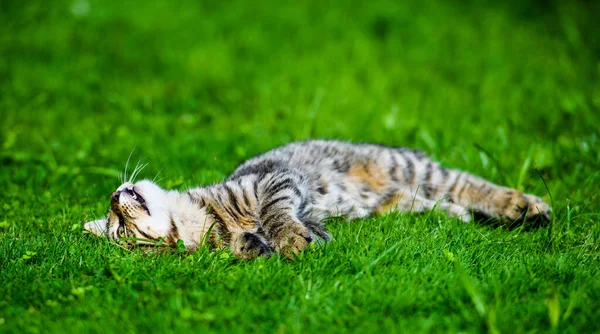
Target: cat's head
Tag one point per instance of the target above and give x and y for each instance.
(137, 212)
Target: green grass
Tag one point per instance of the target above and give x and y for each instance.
(196, 88)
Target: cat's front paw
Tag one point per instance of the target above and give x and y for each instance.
(291, 239)
(527, 207)
(249, 245)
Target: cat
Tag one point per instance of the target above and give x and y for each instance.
(277, 201)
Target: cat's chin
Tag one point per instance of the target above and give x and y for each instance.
(155, 226)
(155, 198)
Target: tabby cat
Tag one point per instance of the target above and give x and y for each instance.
(276, 202)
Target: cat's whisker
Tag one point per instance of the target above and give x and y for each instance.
(142, 168)
(137, 165)
(127, 165)
(158, 181)
(137, 170)
(157, 174)
(132, 176)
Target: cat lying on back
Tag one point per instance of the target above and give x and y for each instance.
(276, 202)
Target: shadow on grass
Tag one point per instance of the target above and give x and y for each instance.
(528, 223)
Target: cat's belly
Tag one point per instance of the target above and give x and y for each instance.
(347, 208)
(347, 200)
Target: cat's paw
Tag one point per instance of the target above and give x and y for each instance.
(526, 207)
(248, 246)
(459, 212)
(291, 239)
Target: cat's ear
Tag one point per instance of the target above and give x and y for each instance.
(96, 227)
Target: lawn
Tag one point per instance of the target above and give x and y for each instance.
(508, 92)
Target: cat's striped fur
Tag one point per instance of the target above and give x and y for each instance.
(276, 202)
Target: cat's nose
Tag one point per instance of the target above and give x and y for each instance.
(115, 196)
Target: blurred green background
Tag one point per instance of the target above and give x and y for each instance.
(193, 88)
(90, 81)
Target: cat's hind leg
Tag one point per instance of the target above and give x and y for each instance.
(492, 200)
(404, 201)
(437, 183)
(495, 201)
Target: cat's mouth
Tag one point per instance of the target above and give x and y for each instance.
(122, 230)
